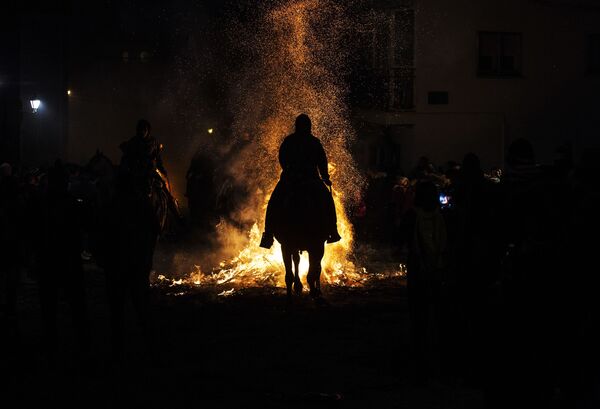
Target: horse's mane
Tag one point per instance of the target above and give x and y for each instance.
(99, 158)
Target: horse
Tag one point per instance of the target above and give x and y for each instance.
(300, 226)
(141, 216)
(111, 203)
(103, 173)
(128, 224)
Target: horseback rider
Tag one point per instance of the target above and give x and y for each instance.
(141, 168)
(303, 160)
(132, 229)
(141, 159)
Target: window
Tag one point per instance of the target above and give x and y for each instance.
(404, 37)
(500, 54)
(437, 98)
(593, 46)
(390, 82)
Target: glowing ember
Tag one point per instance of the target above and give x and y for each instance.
(297, 59)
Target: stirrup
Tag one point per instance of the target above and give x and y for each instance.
(334, 237)
(266, 241)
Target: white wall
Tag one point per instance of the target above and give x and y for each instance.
(552, 102)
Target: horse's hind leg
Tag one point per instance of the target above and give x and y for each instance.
(297, 282)
(289, 274)
(315, 255)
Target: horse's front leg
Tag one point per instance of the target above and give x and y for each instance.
(289, 274)
(297, 282)
(315, 255)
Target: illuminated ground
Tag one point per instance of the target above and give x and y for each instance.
(238, 350)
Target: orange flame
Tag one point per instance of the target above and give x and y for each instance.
(298, 69)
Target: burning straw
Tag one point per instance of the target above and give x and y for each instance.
(296, 60)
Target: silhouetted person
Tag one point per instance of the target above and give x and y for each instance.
(358, 216)
(578, 313)
(426, 264)
(82, 188)
(140, 161)
(10, 242)
(403, 201)
(303, 160)
(452, 171)
(474, 242)
(426, 171)
(526, 322)
(59, 261)
(32, 194)
(236, 174)
(403, 196)
(232, 182)
(422, 170)
(380, 207)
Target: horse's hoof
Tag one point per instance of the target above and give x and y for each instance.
(315, 293)
(298, 288)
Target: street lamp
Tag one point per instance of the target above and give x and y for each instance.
(35, 104)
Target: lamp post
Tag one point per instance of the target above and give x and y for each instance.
(35, 119)
(35, 104)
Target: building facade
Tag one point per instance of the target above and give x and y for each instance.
(10, 102)
(474, 75)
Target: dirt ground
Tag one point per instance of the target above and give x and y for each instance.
(242, 350)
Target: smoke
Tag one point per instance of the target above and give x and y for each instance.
(295, 62)
(282, 58)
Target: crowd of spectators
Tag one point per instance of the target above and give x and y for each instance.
(499, 289)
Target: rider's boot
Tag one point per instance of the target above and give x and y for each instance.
(267, 240)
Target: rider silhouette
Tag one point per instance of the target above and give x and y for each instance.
(141, 159)
(132, 229)
(142, 168)
(302, 158)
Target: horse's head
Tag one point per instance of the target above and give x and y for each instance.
(100, 165)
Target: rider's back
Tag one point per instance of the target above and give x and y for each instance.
(141, 158)
(139, 154)
(303, 155)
